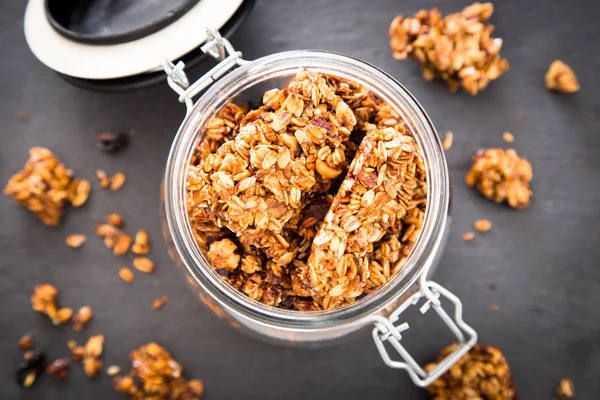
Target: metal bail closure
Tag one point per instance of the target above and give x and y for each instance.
(217, 47)
(386, 331)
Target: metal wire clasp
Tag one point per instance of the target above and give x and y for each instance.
(386, 331)
(216, 46)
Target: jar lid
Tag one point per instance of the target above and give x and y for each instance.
(92, 61)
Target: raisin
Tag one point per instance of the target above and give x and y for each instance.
(31, 368)
(112, 142)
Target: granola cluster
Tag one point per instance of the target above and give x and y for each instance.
(561, 78)
(261, 182)
(457, 48)
(155, 375)
(44, 300)
(481, 374)
(45, 186)
(501, 176)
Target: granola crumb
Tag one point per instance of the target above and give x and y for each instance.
(126, 274)
(566, 389)
(495, 307)
(143, 264)
(560, 77)
(81, 317)
(28, 354)
(59, 368)
(25, 342)
(113, 370)
(468, 236)
(122, 244)
(141, 243)
(115, 220)
(501, 176)
(44, 300)
(75, 240)
(482, 373)
(91, 358)
(79, 192)
(482, 225)
(117, 181)
(508, 137)
(103, 179)
(448, 140)
(77, 352)
(159, 303)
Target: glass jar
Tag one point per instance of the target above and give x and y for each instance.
(383, 307)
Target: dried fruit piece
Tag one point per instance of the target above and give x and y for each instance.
(79, 192)
(143, 264)
(154, 374)
(81, 317)
(566, 389)
(448, 140)
(482, 373)
(560, 77)
(457, 48)
(482, 225)
(126, 274)
(59, 368)
(42, 186)
(115, 220)
(159, 303)
(30, 369)
(44, 300)
(25, 342)
(468, 236)
(113, 370)
(501, 176)
(141, 244)
(117, 181)
(112, 142)
(508, 137)
(75, 240)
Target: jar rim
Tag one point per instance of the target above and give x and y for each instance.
(284, 64)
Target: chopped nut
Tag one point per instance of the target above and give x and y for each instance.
(566, 389)
(468, 236)
(102, 178)
(501, 176)
(113, 370)
(94, 346)
(457, 48)
(141, 244)
(59, 368)
(122, 244)
(448, 140)
(154, 372)
(143, 264)
(112, 142)
(75, 240)
(482, 373)
(42, 186)
(115, 220)
(25, 342)
(81, 317)
(560, 77)
(126, 274)
(508, 137)
(44, 300)
(79, 191)
(117, 181)
(159, 303)
(482, 225)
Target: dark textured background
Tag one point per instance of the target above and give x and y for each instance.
(543, 261)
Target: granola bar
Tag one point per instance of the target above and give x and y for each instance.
(457, 48)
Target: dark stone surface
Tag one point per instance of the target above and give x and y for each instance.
(542, 261)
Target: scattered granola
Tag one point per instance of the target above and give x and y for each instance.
(482, 373)
(566, 389)
(114, 238)
(508, 137)
(560, 77)
(77, 352)
(42, 186)
(126, 274)
(81, 317)
(468, 236)
(112, 142)
(117, 181)
(457, 48)
(159, 303)
(482, 225)
(448, 140)
(75, 240)
(143, 264)
(91, 357)
(141, 245)
(154, 374)
(79, 192)
(103, 179)
(113, 370)
(115, 220)
(30, 368)
(44, 300)
(25, 342)
(59, 368)
(501, 176)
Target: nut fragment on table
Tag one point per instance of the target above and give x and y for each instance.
(79, 191)
(468, 236)
(457, 48)
(561, 78)
(42, 186)
(155, 375)
(482, 373)
(508, 137)
(75, 240)
(116, 220)
(114, 238)
(141, 244)
(81, 317)
(482, 225)
(25, 342)
(143, 264)
(77, 352)
(448, 140)
(91, 357)
(113, 370)
(566, 389)
(501, 176)
(126, 274)
(44, 300)
(59, 368)
(159, 303)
